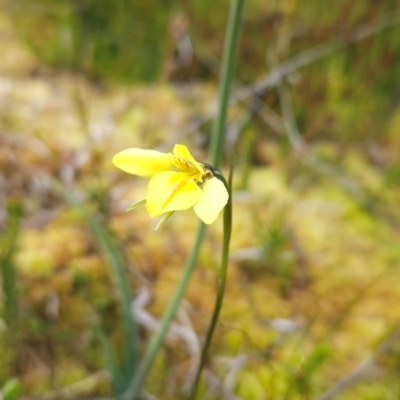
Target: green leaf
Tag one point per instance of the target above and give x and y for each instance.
(136, 205)
(12, 389)
(163, 219)
(106, 243)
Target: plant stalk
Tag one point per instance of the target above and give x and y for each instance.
(227, 69)
(221, 281)
(158, 338)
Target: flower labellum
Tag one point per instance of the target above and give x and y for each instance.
(177, 182)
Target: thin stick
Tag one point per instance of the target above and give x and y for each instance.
(318, 52)
(221, 281)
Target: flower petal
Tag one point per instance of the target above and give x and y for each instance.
(215, 196)
(171, 191)
(181, 151)
(143, 162)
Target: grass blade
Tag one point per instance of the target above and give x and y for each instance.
(103, 237)
(8, 272)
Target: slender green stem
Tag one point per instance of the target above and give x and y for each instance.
(217, 140)
(227, 69)
(157, 339)
(221, 281)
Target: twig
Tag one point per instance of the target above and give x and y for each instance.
(157, 339)
(366, 368)
(217, 387)
(234, 367)
(78, 389)
(318, 52)
(289, 119)
(183, 330)
(349, 184)
(288, 67)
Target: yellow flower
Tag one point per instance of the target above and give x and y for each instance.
(177, 182)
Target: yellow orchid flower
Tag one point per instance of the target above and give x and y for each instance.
(177, 182)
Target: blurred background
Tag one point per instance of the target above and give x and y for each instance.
(312, 303)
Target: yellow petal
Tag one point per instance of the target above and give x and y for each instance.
(143, 162)
(181, 151)
(171, 191)
(215, 196)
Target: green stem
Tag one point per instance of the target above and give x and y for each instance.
(221, 281)
(156, 341)
(230, 50)
(217, 140)
(227, 69)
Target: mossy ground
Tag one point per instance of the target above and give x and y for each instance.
(319, 297)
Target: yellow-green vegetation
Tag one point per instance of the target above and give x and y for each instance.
(311, 303)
